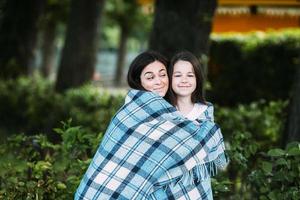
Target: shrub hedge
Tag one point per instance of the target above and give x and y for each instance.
(32, 167)
(247, 67)
(30, 105)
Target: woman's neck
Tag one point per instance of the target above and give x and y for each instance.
(184, 105)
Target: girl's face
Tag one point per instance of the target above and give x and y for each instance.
(154, 78)
(183, 79)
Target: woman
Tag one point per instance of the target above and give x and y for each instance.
(148, 145)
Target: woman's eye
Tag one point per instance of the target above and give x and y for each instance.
(191, 75)
(149, 78)
(177, 75)
(163, 75)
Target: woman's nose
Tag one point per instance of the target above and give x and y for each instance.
(158, 80)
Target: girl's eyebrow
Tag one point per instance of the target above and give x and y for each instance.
(181, 72)
(162, 70)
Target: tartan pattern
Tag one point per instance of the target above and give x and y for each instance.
(149, 146)
(198, 188)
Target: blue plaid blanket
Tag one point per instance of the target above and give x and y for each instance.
(148, 148)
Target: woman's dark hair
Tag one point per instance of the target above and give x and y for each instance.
(139, 63)
(198, 94)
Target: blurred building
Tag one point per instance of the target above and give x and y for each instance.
(251, 15)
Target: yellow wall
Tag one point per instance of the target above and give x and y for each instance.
(246, 23)
(259, 2)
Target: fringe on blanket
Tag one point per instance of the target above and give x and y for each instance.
(200, 172)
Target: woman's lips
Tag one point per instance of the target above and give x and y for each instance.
(159, 88)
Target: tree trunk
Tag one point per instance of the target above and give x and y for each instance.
(121, 55)
(18, 30)
(79, 53)
(182, 25)
(292, 132)
(48, 48)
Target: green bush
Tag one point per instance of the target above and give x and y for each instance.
(263, 120)
(272, 175)
(249, 67)
(91, 107)
(277, 175)
(30, 105)
(35, 168)
(247, 130)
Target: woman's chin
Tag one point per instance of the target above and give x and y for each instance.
(160, 93)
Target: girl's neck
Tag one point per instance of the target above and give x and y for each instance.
(184, 105)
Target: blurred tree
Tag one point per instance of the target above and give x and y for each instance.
(128, 16)
(55, 14)
(18, 36)
(292, 132)
(182, 25)
(79, 53)
(1, 9)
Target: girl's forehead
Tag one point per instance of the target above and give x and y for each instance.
(182, 65)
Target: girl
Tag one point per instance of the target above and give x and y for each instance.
(186, 93)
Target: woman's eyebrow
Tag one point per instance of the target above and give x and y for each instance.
(146, 73)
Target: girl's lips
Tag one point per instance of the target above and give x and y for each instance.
(185, 86)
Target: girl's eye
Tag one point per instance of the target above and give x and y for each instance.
(163, 75)
(177, 75)
(191, 75)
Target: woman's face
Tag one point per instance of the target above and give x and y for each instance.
(154, 78)
(183, 79)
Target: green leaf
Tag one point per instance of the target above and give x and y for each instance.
(281, 161)
(267, 167)
(43, 166)
(295, 151)
(22, 184)
(263, 189)
(276, 152)
(272, 195)
(292, 145)
(279, 176)
(58, 130)
(61, 186)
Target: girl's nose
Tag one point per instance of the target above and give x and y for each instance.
(184, 79)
